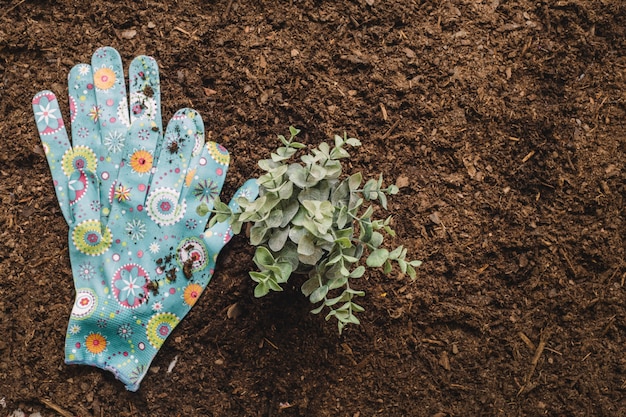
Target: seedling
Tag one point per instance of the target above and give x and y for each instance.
(311, 219)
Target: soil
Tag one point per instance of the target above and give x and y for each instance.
(503, 123)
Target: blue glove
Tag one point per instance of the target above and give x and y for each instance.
(100, 118)
(140, 266)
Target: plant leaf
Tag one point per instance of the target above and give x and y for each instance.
(357, 272)
(377, 258)
(263, 257)
(310, 285)
(306, 246)
(278, 238)
(257, 233)
(354, 181)
(319, 294)
(261, 290)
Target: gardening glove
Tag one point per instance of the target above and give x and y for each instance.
(99, 118)
(139, 268)
(141, 273)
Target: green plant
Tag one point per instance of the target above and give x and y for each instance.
(310, 219)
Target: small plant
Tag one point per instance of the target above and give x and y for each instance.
(309, 219)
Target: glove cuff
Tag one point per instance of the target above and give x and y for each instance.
(124, 344)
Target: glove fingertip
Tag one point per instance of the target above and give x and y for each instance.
(249, 190)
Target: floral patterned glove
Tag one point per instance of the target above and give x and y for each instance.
(100, 119)
(138, 268)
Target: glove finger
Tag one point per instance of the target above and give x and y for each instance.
(55, 143)
(108, 80)
(145, 90)
(164, 204)
(220, 234)
(83, 107)
(131, 186)
(204, 182)
(88, 235)
(111, 114)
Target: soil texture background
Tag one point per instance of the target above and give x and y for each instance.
(503, 124)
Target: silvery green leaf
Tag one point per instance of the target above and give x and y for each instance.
(411, 272)
(376, 240)
(333, 169)
(263, 257)
(344, 242)
(387, 267)
(236, 227)
(336, 258)
(319, 294)
(390, 231)
(366, 231)
(261, 290)
(275, 218)
(337, 283)
(350, 259)
(285, 191)
(320, 193)
(300, 177)
(273, 285)
(293, 131)
(415, 263)
(357, 308)
(285, 271)
(377, 258)
(339, 194)
(338, 141)
(368, 213)
(318, 309)
(202, 210)
(342, 217)
(369, 186)
(358, 293)
(383, 199)
(323, 225)
(403, 265)
(309, 159)
(296, 233)
(317, 173)
(354, 181)
(324, 149)
(278, 238)
(339, 153)
(306, 246)
(268, 165)
(357, 272)
(257, 233)
(311, 259)
(396, 253)
(310, 285)
(341, 315)
(290, 208)
(313, 207)
(353, 142)
(354, 204)
(258, 276)
(289, 253)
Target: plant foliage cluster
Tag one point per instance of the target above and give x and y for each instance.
(309, 218)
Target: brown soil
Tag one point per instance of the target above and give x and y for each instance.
(504, 121)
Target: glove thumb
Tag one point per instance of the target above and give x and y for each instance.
(220, 233)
